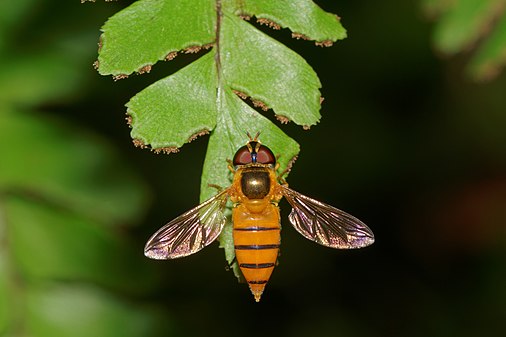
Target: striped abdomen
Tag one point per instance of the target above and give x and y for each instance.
(256, 240)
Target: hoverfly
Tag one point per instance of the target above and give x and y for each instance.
(255, 192)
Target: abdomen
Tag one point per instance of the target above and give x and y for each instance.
(256, 239)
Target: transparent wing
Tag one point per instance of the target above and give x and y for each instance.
(325, 224)
(189, 232)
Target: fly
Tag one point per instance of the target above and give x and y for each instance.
(255, 192)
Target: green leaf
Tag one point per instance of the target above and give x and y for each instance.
(11, 14)
(58, 310)
(302, 17)
(68, 246)
(149, 30)
(55, 227)
(276, 76)
(475, 26)
(61, 190)
(186, 99)
(491, 57)
(31, 74)
(463, 25)
(28, 81)
(176, 109)
(204, 96)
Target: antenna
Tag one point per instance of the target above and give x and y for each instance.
(254, 139)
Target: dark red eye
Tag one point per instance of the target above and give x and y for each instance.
(265, 156)
(248, 154)
(242, 156)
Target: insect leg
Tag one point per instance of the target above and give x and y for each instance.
(231, 166)
(218, 187)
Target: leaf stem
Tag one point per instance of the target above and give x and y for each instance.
(220, 90)
(217, 56)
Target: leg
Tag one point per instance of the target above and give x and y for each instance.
(219, 188)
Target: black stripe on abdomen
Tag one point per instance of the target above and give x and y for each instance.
(257, 282)
(256, 265)
(256, 229)
(254, 247)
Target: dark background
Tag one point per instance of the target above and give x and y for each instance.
(407, 143)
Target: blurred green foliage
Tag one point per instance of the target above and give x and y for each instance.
(65, 198)
(406, 143)
(471, 26)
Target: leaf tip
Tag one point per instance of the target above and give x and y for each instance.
(256, 102)
(144, 70)
(259, 104)
(197, 134)
(300, 36)
(192, 50)
(289, 166)
(170, 56)
(100, 43)
(196, 48)
(139, 143)
(166, 150)
(129, 120)
(119, 77)
(268, 23)
(282, 119)
(325, 43)
(241, 94)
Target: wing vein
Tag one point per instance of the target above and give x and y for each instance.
(189, 232)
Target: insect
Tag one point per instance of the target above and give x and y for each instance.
(255, 192)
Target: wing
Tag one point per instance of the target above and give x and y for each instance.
(325, 224)
(189, 232)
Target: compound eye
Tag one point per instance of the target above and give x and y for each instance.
(265, 156)
(242, 156)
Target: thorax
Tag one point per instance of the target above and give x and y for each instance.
(255, 187)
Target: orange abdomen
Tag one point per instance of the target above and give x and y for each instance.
(256, 240)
